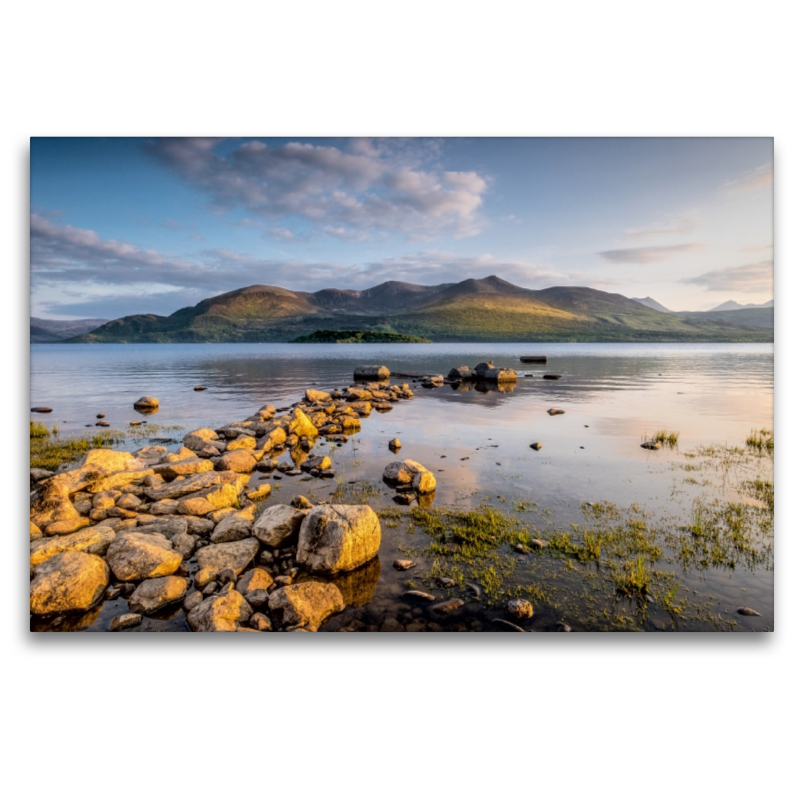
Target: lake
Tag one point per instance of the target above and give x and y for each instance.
(693, 518)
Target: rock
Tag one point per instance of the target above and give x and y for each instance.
(301, 425)
(563, 627)
(338, 538)
(258, 598)
(652, 445)
(220, 613)
(277, 525)
(520, 548)
(260, 622)
(209, 451)
(196, 440)
(262, 493)
(555, 411)
(445, 583)
(403, 472)
(358, 587)
(200, 388)
(157, 593)
(305, 604)
(536, 446)
(316, 462)
(298, 501)
(234, 527)
(167, 526)
(395, 445)
(402, 564)
(486, 371)
(504, 624)
(413, 594)
(463, 373)
(747, 612)
(253, 579)
(124, 621)
(136, 556)
(129, 502)
(391, 625)
(183, 543)
(117, 479)
(371, 372)
(90, 540)
(272, 439)
(146, 402)
(424, 482)
(70, 581)
(215, 497)
(194, 506)
(231, 555)
(66, 526)
(192, 600)
(193, 485)
(538, 544)
(42, 410)
(519, 609)
(242, 443)
(36, 532)
(475, 589)
(190, 466)
(105, 460)
(40, 474)
(448, 606)
(315, 396)
(551, 377)
(240, 461)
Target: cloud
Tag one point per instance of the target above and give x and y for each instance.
(756, 248)
(648, 255)
(750, 278)
(670, 227)
(76, 272)
(372, 185)
(761, 176)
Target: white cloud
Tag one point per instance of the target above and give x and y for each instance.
(750, 278)
(669, 227)
(372, 185)
(761, 176)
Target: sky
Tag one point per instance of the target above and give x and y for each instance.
(132, 226)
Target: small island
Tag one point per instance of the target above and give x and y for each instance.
(357, 337)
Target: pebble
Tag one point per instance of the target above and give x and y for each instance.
(520, 548)
(475, 589)
(125, 621)
(747, 612)
(402, 564)
(414, 594)
(445, 583)
(200, 388)
(554, 411)
(563, 627)
(520, 609)
(448, 606)
(41, 409)
(100, 416)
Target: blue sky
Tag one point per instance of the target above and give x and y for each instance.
(127, 226)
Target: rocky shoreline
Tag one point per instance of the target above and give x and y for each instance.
(164, 530)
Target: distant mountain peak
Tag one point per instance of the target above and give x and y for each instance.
(654, 304)
(732, 305)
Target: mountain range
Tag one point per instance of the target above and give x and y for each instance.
(56, 330)
(490, 309)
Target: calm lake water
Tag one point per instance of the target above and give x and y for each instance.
(477, 444)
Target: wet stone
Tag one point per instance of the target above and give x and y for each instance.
(402, 564)
(124, 621)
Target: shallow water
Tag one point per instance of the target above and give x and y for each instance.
(477, 444)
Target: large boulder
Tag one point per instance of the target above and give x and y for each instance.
(371, 372)
(300, 425)
(338, 538)
(486, 371)
(197, 440)
(147, 403)
(224, 495)
(223, 612)
(116, 479)
(136, 556)
(408, 472)
(157, 593)
(278, 524)
(69, 581)
(94, 540)
(306, 604)
(215, 558)
(315, 396)
(463, 373)
(195, 483)
(273, 438)
(104, 460)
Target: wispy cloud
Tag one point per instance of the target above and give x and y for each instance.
(373, 185)
(750, 278)
(761, 176)
(648, 255)
(668, 227)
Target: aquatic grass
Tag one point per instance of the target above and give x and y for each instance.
(50, 453)
(38, 430)
(632, 579)
(763, 491)
(668, 438)
(358, 493)
(761, 440)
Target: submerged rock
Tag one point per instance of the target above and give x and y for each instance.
(338, 538)
(520, 609)
(124, 621)
(403, 473)
(403, 564)
(371, 372)
(414, 594)
(555, 411)
(448, 606)
(146, 402)
(536, 446)
(747, 612)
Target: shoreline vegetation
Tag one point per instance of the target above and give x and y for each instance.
(358, 337)
(152, 535)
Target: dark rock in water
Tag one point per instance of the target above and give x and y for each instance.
(371, 372)
(538, 543)
(563, 627)
(395, 444)
(124, 621)
(533, 359)
(413, 594)
(298, 501)
(445, 583)
(488, 373)
(462, 373)
(536, 446)
(551, 377)
(520, 548)
(448, 606)
(100, 416)
(555, 411)
(146, 402)
(747, 612)
(402, 564)
(40, 474)
(403, 499)
(504, 624)
(475, 589)
(651, 445)
(102, 424)
(41, 409)
(200, 388)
